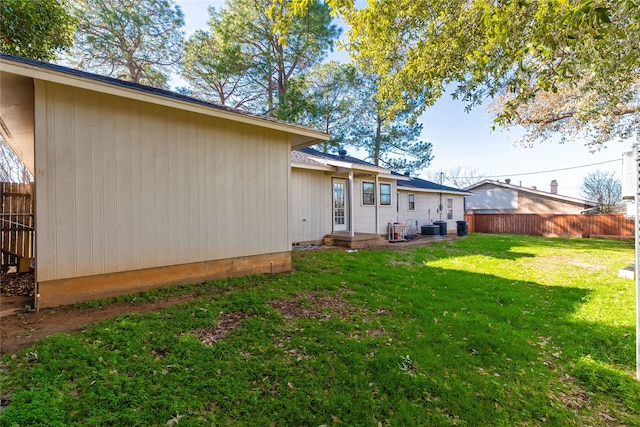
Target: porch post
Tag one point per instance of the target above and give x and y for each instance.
(350, 201)
(377, 204)
(636, 155)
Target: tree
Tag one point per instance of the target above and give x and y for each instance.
(487, 48)
(569, 113)
(11, 167)
(457, 176)
(390, 141)
(331, 97)
(37, 29)
(218, 71)
(136, 40)
(603, 187)
(249, 46)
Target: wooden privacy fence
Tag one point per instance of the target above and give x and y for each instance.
(16, 224)
(602, 225)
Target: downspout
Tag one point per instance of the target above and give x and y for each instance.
(350, 190)
(377, 206)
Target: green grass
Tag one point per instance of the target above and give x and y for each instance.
(486, 330)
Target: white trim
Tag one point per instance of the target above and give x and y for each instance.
(427, 190)
(313, 167)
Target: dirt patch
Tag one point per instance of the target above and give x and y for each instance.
(226, 323)
(313, 305)
(19, 331)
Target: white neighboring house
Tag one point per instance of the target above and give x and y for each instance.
(340, 194)
(422, 202)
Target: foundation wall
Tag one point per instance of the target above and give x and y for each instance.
(53, 293)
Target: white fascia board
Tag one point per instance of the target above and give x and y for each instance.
(395, 177)
(426, 190)
(313, 167)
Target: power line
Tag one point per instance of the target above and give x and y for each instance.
(547, 171)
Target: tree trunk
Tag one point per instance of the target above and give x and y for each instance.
(378, 141)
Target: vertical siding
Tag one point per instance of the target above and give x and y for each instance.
(364, 215)
(125, 185)
(387, 212)
(311, 199)
(426, 208)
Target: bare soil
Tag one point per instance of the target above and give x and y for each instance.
(19, 331)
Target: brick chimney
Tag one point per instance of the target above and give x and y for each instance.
(554, 187)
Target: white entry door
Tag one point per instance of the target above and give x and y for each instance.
(340, 211)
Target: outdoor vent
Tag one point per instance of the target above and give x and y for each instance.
(342, 153)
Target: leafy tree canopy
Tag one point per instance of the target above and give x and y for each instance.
(391, 141)
(526, 51)
(36, 29)
(331, 95)
(245, 61)
(135, 40)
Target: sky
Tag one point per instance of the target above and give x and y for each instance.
(466, 139)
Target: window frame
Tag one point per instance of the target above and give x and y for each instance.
(372, 193)
(449, 207)
(412, 202)
(382, 202)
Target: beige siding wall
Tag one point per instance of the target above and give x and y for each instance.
(311, 195)
(124, 185)
(365, 215)
(426, 209)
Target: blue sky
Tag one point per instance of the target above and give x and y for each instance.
(466, 139)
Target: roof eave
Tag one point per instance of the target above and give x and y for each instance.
(300, 136)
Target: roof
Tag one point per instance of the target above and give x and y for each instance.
(313, 152)
(301, 136)
(547, 194)
(314, 159)
(428, 186)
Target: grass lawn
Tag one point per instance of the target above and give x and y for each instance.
(483, 331)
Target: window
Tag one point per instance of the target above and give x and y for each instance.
(385, 194)
(449, 208)
(368, 193)
(412, 202)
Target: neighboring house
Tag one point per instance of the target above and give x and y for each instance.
(423, 202)
(502, 197)
(137, 187)
(340, 194)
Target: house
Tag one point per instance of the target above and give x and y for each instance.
(491, 197)
(340, 195)
(423, 202)
(137, 187)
